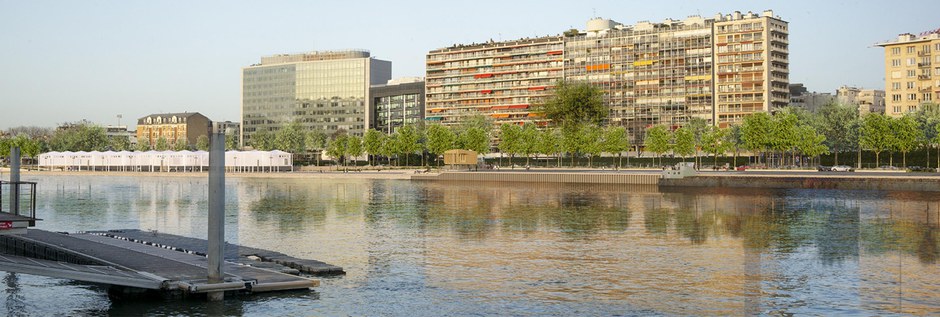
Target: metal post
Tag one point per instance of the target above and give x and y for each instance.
(216, 210)
(14, 180)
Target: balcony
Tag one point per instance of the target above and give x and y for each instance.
(923, 53)
(923, 77)
(923, 65)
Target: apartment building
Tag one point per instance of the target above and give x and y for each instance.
(502, 80)
(719, 69)
(187, 126)
(912, 72)
(867, 100)
(325, 90)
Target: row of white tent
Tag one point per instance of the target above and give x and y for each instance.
(165, 160)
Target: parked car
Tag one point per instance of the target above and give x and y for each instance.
(842, 168)
(888, 167)
(823, 168)
(742, 168)
(920, 169)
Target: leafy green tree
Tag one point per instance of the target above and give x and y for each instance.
(698, 127)
(575, 103)
(685, 142)
(202, 142)
(836, 124)
(231, 142)
(528, 141)
(354, 147)
(79, 137)
(372, 142)
(263, 140)
(906, 135)
(338, 148)
(572, 140)
(783, 137)
(509, 139)
(657, 141)
(876, 134)
(291, 138)
(28, 147)
(475, 139)
(617, 141)
(592, 142)
(549, 143)
(180, 144)
(756, 132)
(143, 145)
(315, 141)
(391, 146)
(734, 139)
(714, 142)
(440, 140)
(809, 142)
(409, 139)
(162, 144)
(119, 143)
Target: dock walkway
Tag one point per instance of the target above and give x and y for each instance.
(112, 260)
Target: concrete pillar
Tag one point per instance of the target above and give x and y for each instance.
(216, 211)
(14, 180)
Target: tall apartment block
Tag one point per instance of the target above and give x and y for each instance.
(326, 90)
(397, 103)
(912, 72)
(718, 69)
(502, 80)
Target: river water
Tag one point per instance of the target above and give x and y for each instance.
(433, 249)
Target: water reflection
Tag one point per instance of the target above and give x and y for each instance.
(498, 249)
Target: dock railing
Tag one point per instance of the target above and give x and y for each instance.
(25, 204)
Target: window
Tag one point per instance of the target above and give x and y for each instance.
(911, 108)
(911, 61)
(911, 73)
(896, 97)
(912, 97)
(895, 62)
(910, 85)
(896, 86)
(897, 109)
(910, 49)
(927, 97)
(895, 50)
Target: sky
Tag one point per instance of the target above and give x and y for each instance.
(65, 61)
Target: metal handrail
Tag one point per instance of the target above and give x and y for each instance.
(30, 207)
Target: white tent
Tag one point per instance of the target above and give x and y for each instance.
(167, 161)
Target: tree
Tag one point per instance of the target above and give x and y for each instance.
(143, 146)
(783, 135)
(617, 141)
(714, 142)
(79, 137)
(315, 141)
(231, 142)
(391, 146)
(592, 142)
(575, 103)
(338, 148)
(549, 143)
(291, 138)
(372, 142)
(735, 141)
(657, 141)
(876, 134)
(29, 147)
(180, 145)
(509, 139)
(906, 135)
(119, 143)
(162, 144)
(440, 140)
(572, 140)
(698, 127)
(354, 147)
(262, 140)
(475, 139)
(685, 142)
(202, 142)
(528, 138)
(409, 139)
(835, 123)
(809, 142)
(756, 132)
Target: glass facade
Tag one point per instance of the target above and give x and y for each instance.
(321, 93)
(397, 105)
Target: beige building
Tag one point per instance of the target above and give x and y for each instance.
(867, 100)
(912, 72)
(502, 80)
(172, 127)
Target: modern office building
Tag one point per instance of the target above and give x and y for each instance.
(397, 103)
(912, 72)
(867, 100)
(172, 127)
(325, 90)
(719, 69)
(502, 80)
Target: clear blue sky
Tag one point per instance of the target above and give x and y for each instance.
(63, 61)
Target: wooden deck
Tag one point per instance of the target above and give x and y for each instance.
(108, 258)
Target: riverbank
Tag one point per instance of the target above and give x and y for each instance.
(384, 174)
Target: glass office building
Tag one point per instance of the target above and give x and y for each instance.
(327, 90)
(398, 103)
